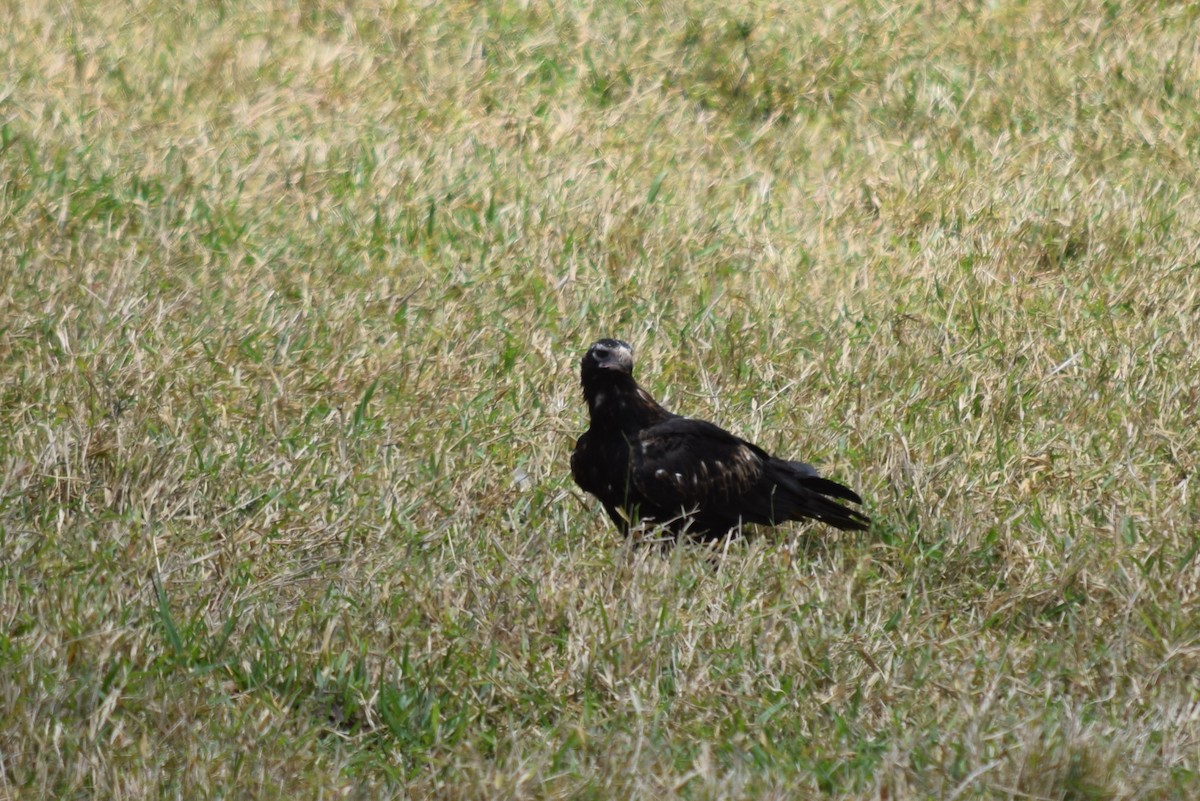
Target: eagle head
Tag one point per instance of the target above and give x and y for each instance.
(607, 354)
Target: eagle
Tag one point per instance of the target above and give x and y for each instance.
(646, 465)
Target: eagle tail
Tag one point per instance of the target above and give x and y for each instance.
(805, 496)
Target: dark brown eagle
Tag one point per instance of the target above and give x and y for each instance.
(647, 465)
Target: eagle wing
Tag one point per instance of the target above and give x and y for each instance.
(685, 465)
(692, 468)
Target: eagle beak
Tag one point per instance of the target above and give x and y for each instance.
(620, 361)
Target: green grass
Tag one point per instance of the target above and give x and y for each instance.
(291, 304)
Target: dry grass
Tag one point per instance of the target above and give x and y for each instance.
(291, 300)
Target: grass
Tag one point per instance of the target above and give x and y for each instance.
(291, 302)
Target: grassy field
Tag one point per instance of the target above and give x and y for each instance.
(292, 298)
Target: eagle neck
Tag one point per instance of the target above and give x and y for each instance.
(615, 401)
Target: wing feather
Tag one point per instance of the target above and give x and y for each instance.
(696, 469)
(684, 463)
